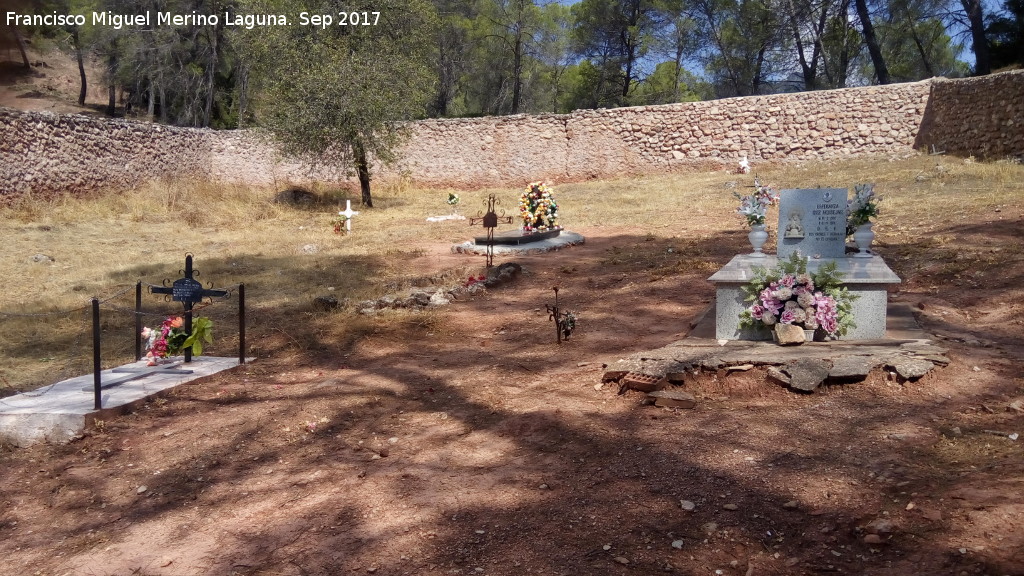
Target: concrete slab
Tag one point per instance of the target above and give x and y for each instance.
(905, 345)
(60, 413)
(563, 240)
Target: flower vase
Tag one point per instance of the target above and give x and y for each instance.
(757, 237)
(809, 335)
(863, 236)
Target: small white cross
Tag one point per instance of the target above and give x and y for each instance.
(348, 214)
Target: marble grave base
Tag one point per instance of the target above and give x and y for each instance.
(868, 278)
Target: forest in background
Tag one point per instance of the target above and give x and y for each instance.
(464, 58)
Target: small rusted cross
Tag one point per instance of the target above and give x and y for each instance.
(490, 222)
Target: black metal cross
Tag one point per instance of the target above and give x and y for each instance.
(189, 292)
(490, 222)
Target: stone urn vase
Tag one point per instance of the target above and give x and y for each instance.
(757, 237)
(863, 236)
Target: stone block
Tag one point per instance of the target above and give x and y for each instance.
(850, 368)
(789, 335)
(807, 374)
(673, 398)
(911, 368)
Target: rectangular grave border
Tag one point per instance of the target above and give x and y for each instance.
(186, 290)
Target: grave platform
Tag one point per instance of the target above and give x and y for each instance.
(868, 278)
(905, 349)
(61, 412)
(516, 237)
(479, 246)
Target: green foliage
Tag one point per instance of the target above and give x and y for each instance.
(827, 279)
(670, 84)
(202, 331)
(341, 93)
(916, 43)
(748, 45)
(1006, 35)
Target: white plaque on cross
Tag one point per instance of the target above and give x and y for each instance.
(348, 213)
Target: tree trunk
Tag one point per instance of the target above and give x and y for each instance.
(982, 62)
(163, 100)
(872, 41)
(112, 79)
(22, 48)
(517, 71)
(81, 67)
(111, 99)
(920, 49)
(211, 77)
(363, 171)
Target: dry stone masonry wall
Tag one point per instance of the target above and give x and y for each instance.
(982, 116)
(43, 153)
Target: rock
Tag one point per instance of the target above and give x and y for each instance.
(421, 298)
(310, 249)
(671, 398)
(687, 505)
(141, 490)
(850, 368)
(740, 368)
(881, 526)
(325, 303)
(731, 507)
(807, 374)
(791, 505)
(613, 375)
(873, 539)
(438, 299)
(911, 368)
(622, 560)
(789, 335)
(777, 375)
(677, 544)
(42, 259)
(1016, 406)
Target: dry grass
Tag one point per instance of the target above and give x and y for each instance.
(104, 244)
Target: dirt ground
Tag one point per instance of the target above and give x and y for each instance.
(468, 442)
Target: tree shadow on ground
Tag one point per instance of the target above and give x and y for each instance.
(413, 453)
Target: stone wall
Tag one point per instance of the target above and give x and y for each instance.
(981, 117)
(652, 139)
(43, 153)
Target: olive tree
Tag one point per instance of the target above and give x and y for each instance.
(340, 90)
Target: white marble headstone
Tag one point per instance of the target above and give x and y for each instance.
(813, 222)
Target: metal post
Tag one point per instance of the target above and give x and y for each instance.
(96, 365)
(188, 330)
(138, 321)
(558, 317)
(241, 323)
